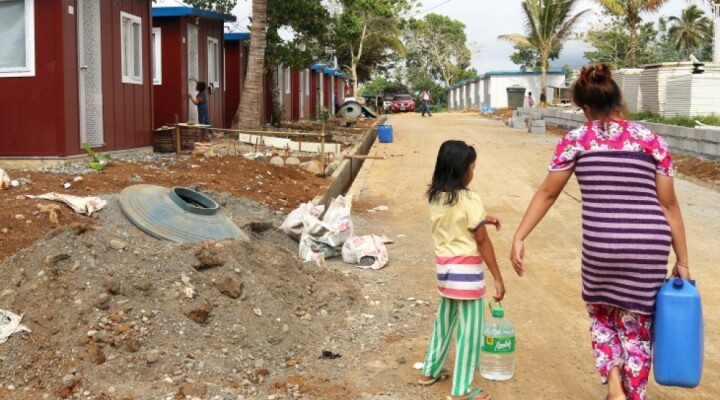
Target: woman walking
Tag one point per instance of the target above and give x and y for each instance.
(630, 218)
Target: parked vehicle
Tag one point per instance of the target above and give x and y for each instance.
(387, 104)
(402, 103)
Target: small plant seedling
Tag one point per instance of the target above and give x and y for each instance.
(97, 160)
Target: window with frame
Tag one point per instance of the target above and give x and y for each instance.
(17, 30)
(131, 48)
(213, 49)
(157, 55)
(287, 80)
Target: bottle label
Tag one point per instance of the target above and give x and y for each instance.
(499, 344)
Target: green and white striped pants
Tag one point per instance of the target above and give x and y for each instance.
(468, 314)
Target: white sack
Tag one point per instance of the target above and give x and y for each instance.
(358, 247)
(81, 205)
(327, 236)
(293, 224)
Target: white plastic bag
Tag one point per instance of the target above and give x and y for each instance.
(4, 180)
(10, 324)
(293, 224)
(367, 251)
(323, 239)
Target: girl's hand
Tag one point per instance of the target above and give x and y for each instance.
(517, 256)
(493, 220)
(681, 270)
(499, 290)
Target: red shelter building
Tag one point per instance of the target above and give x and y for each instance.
(236, 59)
(188, 44)
(73, 72)
(317, 90)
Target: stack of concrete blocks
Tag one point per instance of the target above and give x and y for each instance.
(536, 125)
(518, 121)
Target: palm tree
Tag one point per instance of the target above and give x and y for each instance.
(248, 115)
(690, 30)
(548, 24)
(630, 11)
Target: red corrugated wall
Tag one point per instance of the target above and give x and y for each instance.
(41, 115)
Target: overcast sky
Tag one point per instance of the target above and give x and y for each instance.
(485, 20)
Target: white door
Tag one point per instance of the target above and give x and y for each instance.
(193, 68)
(90, 74)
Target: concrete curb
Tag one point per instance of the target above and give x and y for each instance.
(349, 168)
(691, 141)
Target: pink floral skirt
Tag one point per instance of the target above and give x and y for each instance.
(622, 339)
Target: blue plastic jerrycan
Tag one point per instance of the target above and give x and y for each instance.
(678, 335)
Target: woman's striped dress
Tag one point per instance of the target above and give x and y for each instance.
(626, 238)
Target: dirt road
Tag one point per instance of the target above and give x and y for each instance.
(554, 359)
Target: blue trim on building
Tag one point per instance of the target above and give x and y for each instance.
(317, 67)
(514, 73)
(191, 12)
(329, 71)
(237, 36)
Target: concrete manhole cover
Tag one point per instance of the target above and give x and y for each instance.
(177, 214)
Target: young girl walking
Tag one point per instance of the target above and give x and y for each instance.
(630, 217)
(462, 246)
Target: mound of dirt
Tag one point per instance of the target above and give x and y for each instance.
(117, 314)
(22, 221)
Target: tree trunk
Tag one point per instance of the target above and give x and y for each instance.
(543, 78)
(633, 42)
(356, 60)
(249, 113)
(276, 115)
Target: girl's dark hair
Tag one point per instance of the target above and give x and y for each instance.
(451, 168)
(596, 90)
(200, 86)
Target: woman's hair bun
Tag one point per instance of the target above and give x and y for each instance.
(597, 73)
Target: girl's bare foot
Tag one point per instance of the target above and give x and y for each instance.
(614, 385)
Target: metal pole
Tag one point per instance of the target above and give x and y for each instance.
(322, 148)
(177, 134)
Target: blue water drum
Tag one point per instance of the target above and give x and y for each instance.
(385, 133)
(678, 336)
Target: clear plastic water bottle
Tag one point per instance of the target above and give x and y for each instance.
(497, 361)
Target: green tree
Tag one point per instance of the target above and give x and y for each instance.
(307, 19)
(223, 6)
(363, 25)
(611, 44)
(548, 24)
(690, 31)
(248, 115)
(529, 58)
(437, 44)
(629, 11)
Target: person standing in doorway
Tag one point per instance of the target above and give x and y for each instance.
(630, 219)
(530, 101)
(200, 100)
(426, 99)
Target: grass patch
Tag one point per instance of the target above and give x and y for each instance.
(679, 121)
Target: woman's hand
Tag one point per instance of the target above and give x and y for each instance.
(493, 220)
(499, 290)
(517, 256)
(681, 270)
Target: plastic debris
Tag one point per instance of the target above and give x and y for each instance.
(4, 180)
(10, 324)
(81, 205)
